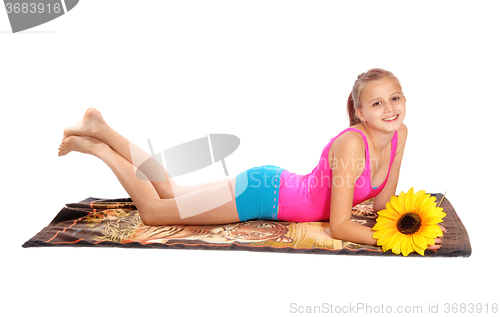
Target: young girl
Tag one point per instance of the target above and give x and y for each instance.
(361, 162)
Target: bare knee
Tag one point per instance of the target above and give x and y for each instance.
(148, 219)
(158, 213)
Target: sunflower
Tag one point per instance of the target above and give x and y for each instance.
(409, 223)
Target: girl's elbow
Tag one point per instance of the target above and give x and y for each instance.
(336, 230)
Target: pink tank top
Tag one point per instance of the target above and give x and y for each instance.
(305, 198)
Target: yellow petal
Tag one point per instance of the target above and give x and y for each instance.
(402, 195)
(420, 193)
(419, 240)
(406, 247)
(384, 225)
(396, 243)
(425, 208)
(380, 233)
(389, 214)
(430, 231)
(397, 205)
(419, 202)
(396, 211)
(419, 243)
(432, 199)
(409, 201)
(431, 220)
(395, 240)
(388, 234)
(439, 214)
(436, 230)
(432, 210)
(383, 218)
(418, 249)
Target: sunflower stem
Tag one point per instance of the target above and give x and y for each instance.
(442, 199)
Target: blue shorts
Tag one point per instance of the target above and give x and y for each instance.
(257, 193)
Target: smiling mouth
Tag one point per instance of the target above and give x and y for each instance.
(391, 118)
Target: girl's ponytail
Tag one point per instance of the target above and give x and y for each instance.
(353, 118)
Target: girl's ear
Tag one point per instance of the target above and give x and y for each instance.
(359, 114)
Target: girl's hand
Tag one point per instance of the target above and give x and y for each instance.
(438, 240)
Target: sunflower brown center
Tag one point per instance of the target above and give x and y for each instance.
(409, 223)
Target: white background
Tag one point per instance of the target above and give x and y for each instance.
(277, 74)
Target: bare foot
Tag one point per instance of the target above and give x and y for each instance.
(82, 144)
(89, 125)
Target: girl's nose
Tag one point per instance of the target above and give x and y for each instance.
(389, 107)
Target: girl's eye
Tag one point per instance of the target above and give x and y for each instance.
(377, 103)
(395, 98)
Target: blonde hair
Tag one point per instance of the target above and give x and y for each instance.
(354, 100)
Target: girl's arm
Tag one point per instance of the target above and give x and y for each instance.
(349, 148)
(389, 190)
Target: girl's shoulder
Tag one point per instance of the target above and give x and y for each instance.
(402, 135)
(402, 131)
(352, 138)
(349, 143)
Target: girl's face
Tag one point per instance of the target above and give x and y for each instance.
(383, 105)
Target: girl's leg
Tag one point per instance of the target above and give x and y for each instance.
(213, 205)
(93, 125)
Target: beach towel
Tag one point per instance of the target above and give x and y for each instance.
(95, 222)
